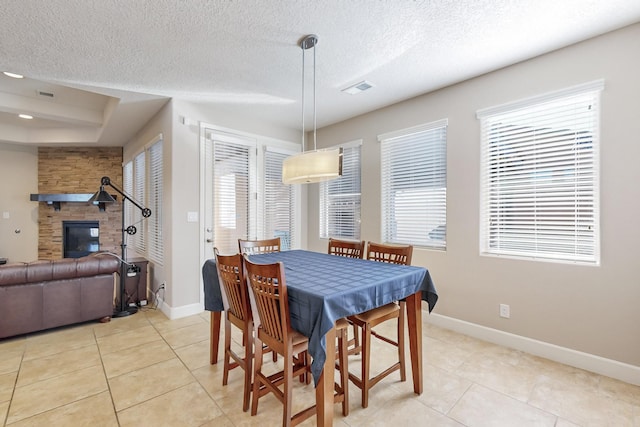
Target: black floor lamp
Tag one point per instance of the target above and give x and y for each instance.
(102, 196)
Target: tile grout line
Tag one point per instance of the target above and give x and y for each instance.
(104, 371)
(15, 385)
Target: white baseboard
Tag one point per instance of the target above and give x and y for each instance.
(589, 362)
(182, 311)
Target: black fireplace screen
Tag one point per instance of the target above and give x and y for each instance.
(80, 238)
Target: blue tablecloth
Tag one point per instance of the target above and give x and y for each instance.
(324, 288)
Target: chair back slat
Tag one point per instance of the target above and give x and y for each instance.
(393, 254)
(346, 248)
(268, 291)
(252, 247)
(233, 285)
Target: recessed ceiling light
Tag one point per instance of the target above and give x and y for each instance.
(14, 75)
(358, 87)
(25, 116)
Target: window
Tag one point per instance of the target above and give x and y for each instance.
(340, 198)
(244, 194)
(414, 185)
(539, 184)
(227, 198)
(127, 186)
(140, 173)
(231, 191)
(154, 202)
(278, 199)
(143, 182)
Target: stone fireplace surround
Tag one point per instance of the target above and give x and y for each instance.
(76, 170)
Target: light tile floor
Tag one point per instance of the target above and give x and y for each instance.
(146, 370)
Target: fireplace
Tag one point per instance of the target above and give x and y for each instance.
(80, 238)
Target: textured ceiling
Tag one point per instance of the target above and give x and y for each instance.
(243, 55)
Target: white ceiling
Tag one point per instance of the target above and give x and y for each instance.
(125, 58)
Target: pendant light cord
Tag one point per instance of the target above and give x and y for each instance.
(314, 96)
(303, 146)
(309, 42)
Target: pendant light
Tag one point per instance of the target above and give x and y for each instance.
(316, 165)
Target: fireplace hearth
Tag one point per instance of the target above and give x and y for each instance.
(80, 238)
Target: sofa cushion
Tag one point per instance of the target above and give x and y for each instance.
(66, 268)
(13, 273)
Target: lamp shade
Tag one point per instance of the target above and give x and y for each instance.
(101, 196)
(312, 166)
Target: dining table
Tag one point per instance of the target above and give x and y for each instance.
(323, 288)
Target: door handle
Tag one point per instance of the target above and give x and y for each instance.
(209, 240)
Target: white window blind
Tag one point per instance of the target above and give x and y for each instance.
(278, 200)
(539, 183)
(340, 198)
(139, 172)
(154, 222)
(230, 194)
(414, 185)
(127, 186)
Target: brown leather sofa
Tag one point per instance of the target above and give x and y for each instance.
(46, 294)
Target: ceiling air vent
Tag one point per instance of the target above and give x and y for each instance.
(45, 94)
(358, 87)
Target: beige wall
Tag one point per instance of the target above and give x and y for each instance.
(589, 309)
(18, 178)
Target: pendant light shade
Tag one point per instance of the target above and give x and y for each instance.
(312, 166)
(101, 196)
(316, 165)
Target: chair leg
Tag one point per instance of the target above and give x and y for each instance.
(356, 339)
(248, 367)
(227, 348)
(288, 388)
(307, 363)
(343, 353)
(214, 337)
(257, 367)
(366, 362)
(401, 328)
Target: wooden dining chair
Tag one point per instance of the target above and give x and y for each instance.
(259, 246)
(394, 254)
(238, 313)
(270, 305)
(237, 309)
(349, 249)
(346, 248)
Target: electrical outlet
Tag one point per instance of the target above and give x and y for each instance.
(505, 311)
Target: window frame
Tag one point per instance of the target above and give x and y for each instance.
(256, 213)
(432, 203)
(500, 237)
(355, 200)
(155, 200)
(138, 177)
(274, 189)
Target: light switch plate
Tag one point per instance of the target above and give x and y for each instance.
(192, 216)
(5, 215)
